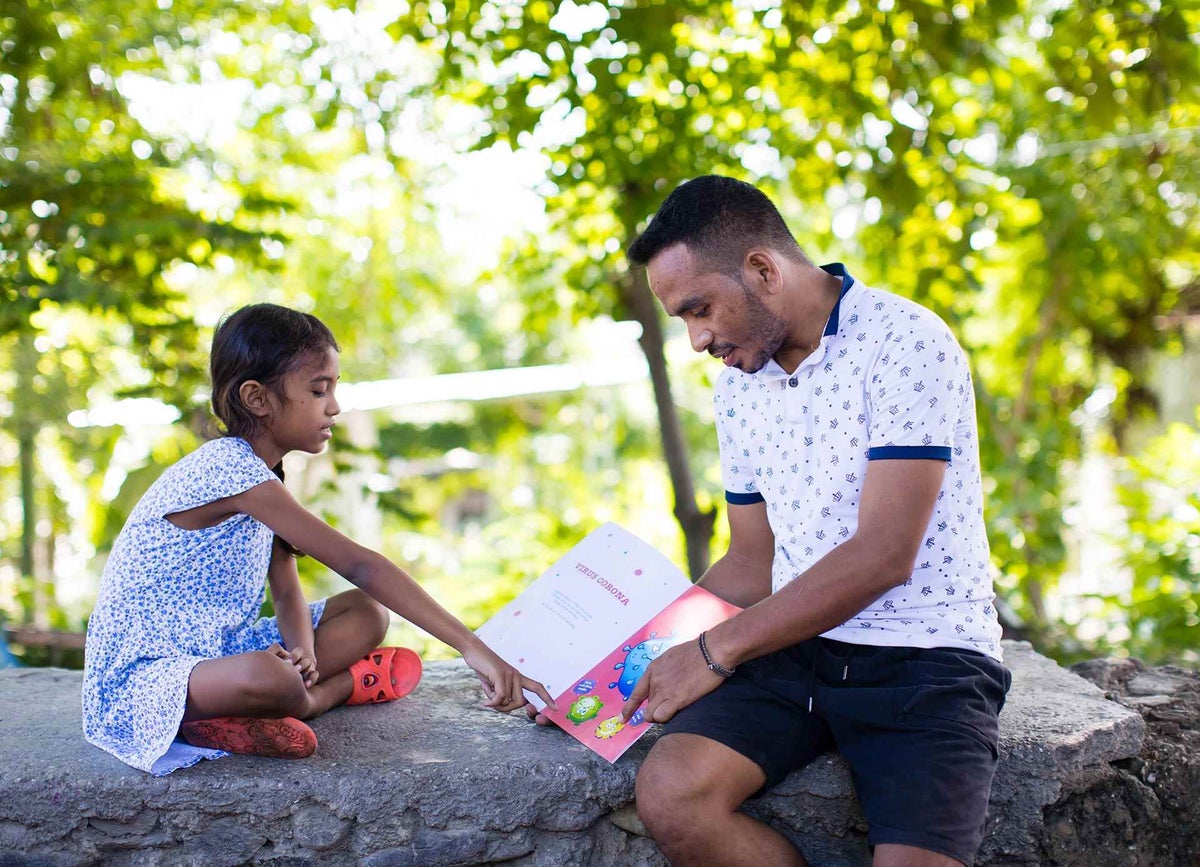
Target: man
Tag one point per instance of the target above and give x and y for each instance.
(846, 422)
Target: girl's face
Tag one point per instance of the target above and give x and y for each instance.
(304, 421)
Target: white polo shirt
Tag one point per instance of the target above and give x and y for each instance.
(887, 382)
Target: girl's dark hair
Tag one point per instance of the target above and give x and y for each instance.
(264, 342)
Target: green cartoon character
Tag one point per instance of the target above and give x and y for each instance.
(584, 708)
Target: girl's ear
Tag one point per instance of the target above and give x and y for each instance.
(255, 397)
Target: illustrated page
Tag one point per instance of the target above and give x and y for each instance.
(583, 606)
(590, 710)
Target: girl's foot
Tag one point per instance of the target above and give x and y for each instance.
(283, 738)
(384, 674)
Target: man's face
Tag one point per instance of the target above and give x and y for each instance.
(725, 317)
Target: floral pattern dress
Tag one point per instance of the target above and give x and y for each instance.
(171, 598)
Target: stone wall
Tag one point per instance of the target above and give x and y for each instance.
(435, 779)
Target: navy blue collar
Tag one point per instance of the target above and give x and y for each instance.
(837, 269)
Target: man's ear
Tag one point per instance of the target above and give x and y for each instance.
(255, 397)
(763, 270)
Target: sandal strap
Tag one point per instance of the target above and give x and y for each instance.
(372, 677)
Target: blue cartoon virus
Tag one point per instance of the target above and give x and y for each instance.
(637, 657)
(584, 687)
(638, 718)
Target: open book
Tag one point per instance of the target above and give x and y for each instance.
(589, 626)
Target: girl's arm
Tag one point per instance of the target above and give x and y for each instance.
(273, 505)
(291, 612)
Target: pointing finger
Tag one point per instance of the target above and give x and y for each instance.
(536, 687)
(639, 694)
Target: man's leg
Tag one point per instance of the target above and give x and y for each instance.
(919, 730)
(689, 790)
(894, 855)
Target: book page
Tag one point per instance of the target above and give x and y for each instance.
(590, 710)
(583, 606)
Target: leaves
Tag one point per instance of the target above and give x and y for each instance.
(1026, 171)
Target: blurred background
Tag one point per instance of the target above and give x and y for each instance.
(450, 186)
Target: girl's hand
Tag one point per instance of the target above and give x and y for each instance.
(537, 716)
(502, 684)
(304, 660)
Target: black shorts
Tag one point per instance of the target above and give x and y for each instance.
(918, 728)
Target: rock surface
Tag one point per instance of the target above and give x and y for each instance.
(437, 780)
(1146, 811)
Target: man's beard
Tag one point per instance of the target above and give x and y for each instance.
(771, 330)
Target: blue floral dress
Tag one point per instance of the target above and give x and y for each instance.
(171, 598)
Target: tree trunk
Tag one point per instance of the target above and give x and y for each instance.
(697, 524)
(26, 425)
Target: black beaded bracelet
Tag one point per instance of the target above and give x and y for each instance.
(714, 667)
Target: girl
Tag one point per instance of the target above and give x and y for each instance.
(175, 646)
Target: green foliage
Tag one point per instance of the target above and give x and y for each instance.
(549, 472)
(90, 226)
(1160, 492)
(1028, 171)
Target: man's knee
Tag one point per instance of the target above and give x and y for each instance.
(665, 797)
(687, 784)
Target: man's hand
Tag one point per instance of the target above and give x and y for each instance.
(672, 682)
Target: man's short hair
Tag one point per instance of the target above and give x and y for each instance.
(718, 219)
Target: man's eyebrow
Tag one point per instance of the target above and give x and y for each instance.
(689, 303)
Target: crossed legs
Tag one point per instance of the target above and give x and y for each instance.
(261, 684)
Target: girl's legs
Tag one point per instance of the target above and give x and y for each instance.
(352, 625)
(264, 685)
(248, 684)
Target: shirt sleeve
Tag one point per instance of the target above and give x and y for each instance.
(220, 468)
(915, 392)
(737, 472)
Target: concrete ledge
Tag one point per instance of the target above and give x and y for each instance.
(436, 780)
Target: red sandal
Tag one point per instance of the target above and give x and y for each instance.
(283, 738)
(385, 674)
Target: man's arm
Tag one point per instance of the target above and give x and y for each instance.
(743, 576)
(897, 502)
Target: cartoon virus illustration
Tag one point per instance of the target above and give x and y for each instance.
(638, 718)
(584, 709)
(609, 727)
(584, 687)
(637, 657)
